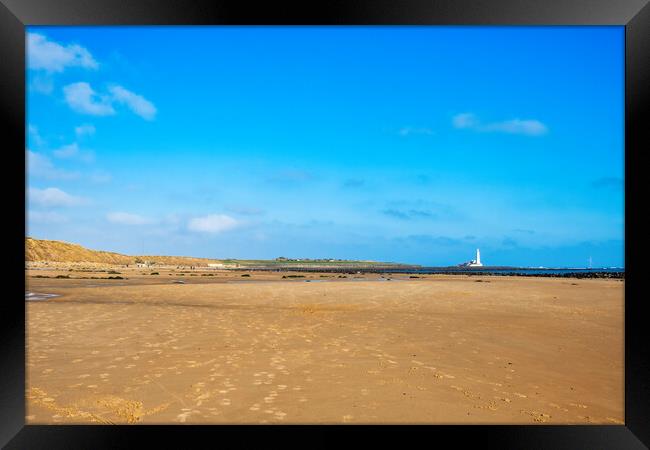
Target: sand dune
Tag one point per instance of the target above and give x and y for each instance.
(65, 252)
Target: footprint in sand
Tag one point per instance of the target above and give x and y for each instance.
(555, 405)
(578, 405)
(183, 416)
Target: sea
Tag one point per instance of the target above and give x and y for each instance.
(615, 272)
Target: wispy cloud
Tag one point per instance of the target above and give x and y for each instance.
(40, 166)
(410, 214)
(67, 151)
(529, 127)
(407, 131)
(124, 218)
(83, 99)
(34, 137)
(509, 242)
(48, 55)
(53, 197)
(419, 210)
(212, 223)
(524, 231)
(465, 120)
(72, 151)
(136, 103)
(84, 130)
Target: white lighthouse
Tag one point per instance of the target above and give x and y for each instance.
(475, 262)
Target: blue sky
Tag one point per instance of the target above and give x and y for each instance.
(408, 144)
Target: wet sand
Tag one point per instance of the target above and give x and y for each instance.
(263, 349)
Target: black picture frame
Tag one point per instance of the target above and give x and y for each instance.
(16, 14)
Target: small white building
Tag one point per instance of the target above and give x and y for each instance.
(216, 265)
(475, 262)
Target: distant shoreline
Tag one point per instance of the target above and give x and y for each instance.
(481, 271)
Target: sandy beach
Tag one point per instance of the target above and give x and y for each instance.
(223, 348)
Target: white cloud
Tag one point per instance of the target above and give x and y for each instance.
(465, 120)
(136, 103)
(40, 166)
(67, 151)
(43, 54)
(34, 137)
(124, 218)
(72, 151)
(213, 223)
(82, 98)
(411, 130)
(84, 130)
(52, 197)
(529, 127)
(517, 126)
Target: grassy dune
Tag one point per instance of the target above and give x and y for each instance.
(58, 251)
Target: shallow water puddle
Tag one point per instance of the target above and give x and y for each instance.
(35, 296)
